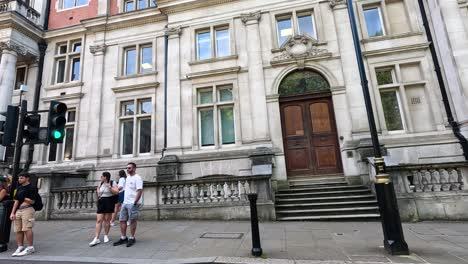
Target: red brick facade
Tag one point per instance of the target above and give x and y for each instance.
(69, 17)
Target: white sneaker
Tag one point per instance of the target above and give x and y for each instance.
(27, 251)
(94, 242)
(106, 239)
(18, 250)
(112, 224)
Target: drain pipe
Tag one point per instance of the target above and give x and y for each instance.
(440, 80)
(166, 46)
(42, 45)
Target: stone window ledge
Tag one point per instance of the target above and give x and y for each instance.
(231, 57)
(388, 37)
(63, 85)
(125, 77)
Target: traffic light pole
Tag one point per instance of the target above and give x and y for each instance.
(18, 145)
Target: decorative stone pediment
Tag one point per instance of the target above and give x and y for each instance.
(299, 47)
(334, 3)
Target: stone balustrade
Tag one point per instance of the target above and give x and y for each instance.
(21, 7)
(74, 198)
(431, 191)
(215, 197)
(207, 190)
(428, 177)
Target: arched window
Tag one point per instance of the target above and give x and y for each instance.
(303, 82)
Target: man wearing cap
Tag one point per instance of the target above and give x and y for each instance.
(23, 215)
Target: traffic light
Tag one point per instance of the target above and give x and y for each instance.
(56, 122)
(9, 126)
(32, 127)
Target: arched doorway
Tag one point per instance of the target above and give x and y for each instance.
(308, 124)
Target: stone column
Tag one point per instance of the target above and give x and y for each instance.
(451, 39)
(174, 137)
(95, 102)
(7, 76)
(256, 77)
(8, 71)
(354, 94)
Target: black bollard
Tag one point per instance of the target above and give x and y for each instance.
(256, 247)
(5, 224)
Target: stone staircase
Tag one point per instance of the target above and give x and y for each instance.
(325, 198)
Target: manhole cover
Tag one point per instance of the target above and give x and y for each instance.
(222, 235)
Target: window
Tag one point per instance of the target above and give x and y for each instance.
(386, 17)
(138, 59)
(73, 3)
(391, 107)
(135, 125)
(216, 116)
(69, 135)
(20, 77)
(403, 96)
(64, 151)
(213, 42)
(389, 96)
(374, 22)
(132, 5)
(296, 23)
(68, 62)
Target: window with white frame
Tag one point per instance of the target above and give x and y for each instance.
(132, 5)
(295, 23)
(404, 98)
(65, 4)
(374, 21)
(213, 42)
(65, 151)
(67, 62)
(21, 75)
(135, 126)
(386, 17)
(390, 99)
(138, 59)
(215, 106)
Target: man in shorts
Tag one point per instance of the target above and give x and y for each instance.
(22, 215)
(131, 205)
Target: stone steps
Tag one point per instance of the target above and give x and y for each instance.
(347, 217)
(327, 197)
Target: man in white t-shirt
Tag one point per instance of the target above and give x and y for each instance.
(131, 205)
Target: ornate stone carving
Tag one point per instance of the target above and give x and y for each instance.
(299, 47)
(172, 31)
(334, 3)
(98, 49)
(254, 16)
(9, 45)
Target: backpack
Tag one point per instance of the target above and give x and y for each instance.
(38, 205)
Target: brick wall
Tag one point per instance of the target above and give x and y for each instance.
(68, 17)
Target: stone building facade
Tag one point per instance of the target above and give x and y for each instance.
(244, 77)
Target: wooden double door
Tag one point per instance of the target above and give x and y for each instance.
(309, 136)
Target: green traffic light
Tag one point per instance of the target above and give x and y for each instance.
(57, 134)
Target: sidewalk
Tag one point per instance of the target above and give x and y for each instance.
(230, 242)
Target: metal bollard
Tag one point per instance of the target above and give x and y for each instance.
(5, 224)
(256, 247)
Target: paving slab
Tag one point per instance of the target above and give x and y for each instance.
(168, 242)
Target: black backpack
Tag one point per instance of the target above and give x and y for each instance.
(38, 205)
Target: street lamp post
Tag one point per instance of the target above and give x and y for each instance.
(394, 240)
